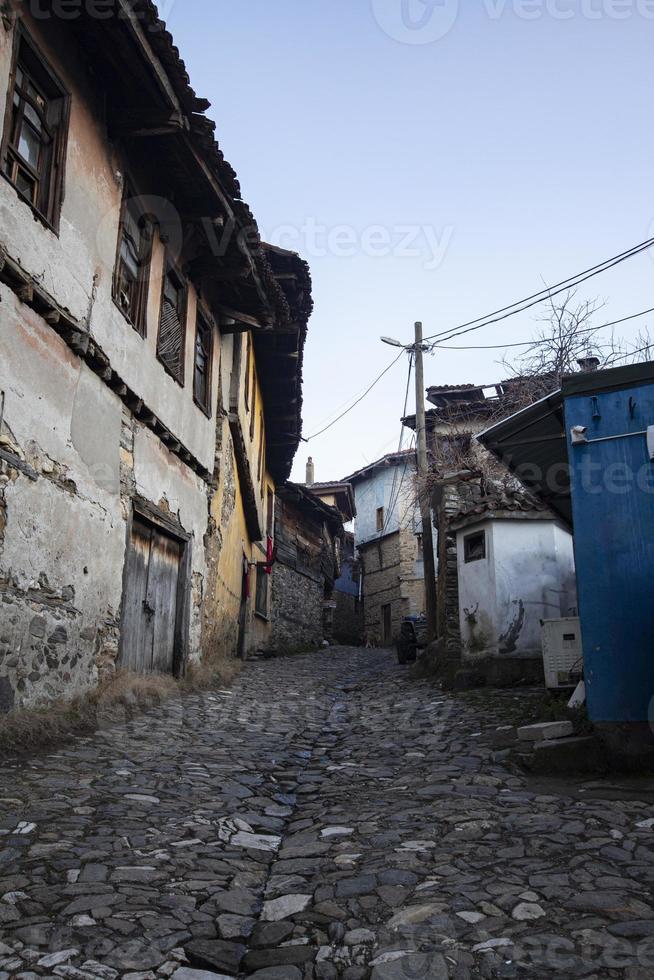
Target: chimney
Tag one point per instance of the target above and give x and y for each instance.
(589, 364)
(311, 472)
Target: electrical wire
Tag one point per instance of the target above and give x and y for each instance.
(546, 340)
(541, 296)
(358, 401)
(393, 499)
(404, 471)
(632, 353)
(508, 311)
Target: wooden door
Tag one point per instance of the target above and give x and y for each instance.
(150, 600)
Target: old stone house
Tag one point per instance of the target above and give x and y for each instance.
(137, 467)
(389, 543)
(456, 462)
(309, 540)
(348, 615)
(259, 426)
(346, 604)
(503, 562)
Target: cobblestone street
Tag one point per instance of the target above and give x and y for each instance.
(326, 817)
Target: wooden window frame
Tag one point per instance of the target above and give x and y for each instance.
(262, 579)
(262, 443)
(253, 410)
(270, 513)
(171, 270)
(52, 180)
(380, 518)
(248, 371)
(201, 317)
(140, 322)
(468, 540)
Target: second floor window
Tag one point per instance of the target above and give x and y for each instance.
(380, 518)
(34, 143)
(133, 264)
(172, 325)
(202, 369)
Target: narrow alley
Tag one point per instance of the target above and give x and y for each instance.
(326, 817)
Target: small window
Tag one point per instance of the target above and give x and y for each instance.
(270, 509)
(262, 443)
(34, 143)
(131, 279)
(380, 518)
(202, 367)
(248, 371)
(474, 547)
(261, 599)
(172, 325)
(254, 410)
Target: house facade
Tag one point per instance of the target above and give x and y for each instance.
(348, 615)
(515, 566)
(132, 284)
(308, 549)
(388, 540)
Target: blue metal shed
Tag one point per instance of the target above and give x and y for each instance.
(585, 450)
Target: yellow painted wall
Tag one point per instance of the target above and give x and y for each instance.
(230, 540)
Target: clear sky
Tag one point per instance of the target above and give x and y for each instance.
(432, 160)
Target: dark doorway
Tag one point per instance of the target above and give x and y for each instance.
(151, 601)
(387, 628)
(242, 613)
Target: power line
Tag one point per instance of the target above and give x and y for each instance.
(406, 466)
(546, 340)
(393, 502)
(632, 353)
(541, 296)
(358, 401)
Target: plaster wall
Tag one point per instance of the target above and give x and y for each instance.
(376, 490)
(62, 532)
(76, 265)
(228, 540)
(527, 575)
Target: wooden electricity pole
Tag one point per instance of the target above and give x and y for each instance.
(423, 492)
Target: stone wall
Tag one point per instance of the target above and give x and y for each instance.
(454, 498)
(296, 610)
(380, 562)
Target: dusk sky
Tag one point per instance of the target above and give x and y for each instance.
(435, 167)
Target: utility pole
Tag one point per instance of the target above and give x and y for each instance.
(423, 495)
(418, 349)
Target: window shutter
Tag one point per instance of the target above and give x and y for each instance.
(170, 338)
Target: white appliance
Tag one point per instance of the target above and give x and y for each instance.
(562, 652)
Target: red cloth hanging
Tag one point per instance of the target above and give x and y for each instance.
(270, 555)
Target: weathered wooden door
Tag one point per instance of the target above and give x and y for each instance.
(150, 600)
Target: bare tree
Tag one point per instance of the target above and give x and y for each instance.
(642, 348)
(567, 335)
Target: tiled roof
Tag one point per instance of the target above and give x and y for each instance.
(503, 500)
(391, 459)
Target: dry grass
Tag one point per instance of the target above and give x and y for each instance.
(120, 699)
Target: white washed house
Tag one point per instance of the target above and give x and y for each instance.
(515, 568)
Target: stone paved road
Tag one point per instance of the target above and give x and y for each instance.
(325, 818)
